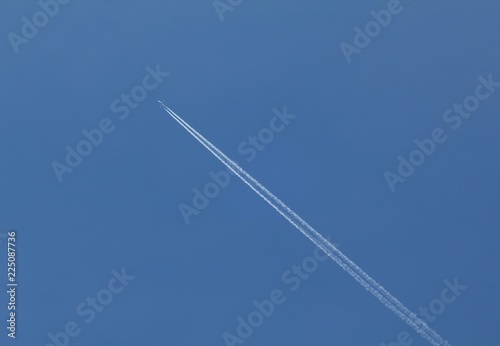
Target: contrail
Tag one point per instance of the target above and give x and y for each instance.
(343, 261)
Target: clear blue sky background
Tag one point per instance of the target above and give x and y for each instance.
(119, 207)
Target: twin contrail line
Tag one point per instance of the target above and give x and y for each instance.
(333, 252)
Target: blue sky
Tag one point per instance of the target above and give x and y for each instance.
(117, 209)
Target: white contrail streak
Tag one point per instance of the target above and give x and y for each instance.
(343, 261)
